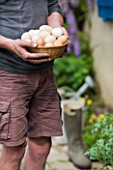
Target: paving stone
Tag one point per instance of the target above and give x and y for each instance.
(62, 165)
(96, 164)
(63, 148)
(56, 155)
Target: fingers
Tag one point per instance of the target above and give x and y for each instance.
(37, 55)
(39, 61)
(21, 51)
(27, 43)
(36, 58)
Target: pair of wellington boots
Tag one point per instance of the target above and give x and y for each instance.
(73, 128)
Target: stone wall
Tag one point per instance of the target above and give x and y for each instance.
(101, 34)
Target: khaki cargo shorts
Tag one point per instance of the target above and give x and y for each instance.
(29, 107)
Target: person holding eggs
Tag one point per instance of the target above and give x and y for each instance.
(30, 112)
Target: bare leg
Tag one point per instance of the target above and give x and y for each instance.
(38, 150)
(11, 157)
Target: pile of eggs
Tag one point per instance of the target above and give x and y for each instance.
(46, 36)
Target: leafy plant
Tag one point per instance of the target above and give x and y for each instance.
(91, 118)
(102, 150)
(71, 70)
(103, 168)
(89, 138)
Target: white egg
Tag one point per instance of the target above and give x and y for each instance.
(35, 38)
(64, 31)
(34, 32)
(46, 28)
(50, 39)
(25, 36)
(44, 34)
(57, 31)
(28, 40)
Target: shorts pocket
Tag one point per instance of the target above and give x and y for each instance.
(4, 119)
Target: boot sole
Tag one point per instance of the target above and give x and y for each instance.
(88, 168)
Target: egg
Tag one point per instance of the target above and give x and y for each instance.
(35, 38)
(40, 42)
(25, 36)
(34, 32)
(50, 44)
(50, 39)
(57, 43)
(64, 31)
(63, 38)
(28, 40)
(57, 31)
(44, 34)
(46, 28)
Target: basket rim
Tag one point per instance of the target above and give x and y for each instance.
(60, 46)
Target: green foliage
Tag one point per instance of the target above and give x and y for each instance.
(102, 150)
(80, 13)
(103, 168)
(90, 138)
(88, 112)
(71, 70)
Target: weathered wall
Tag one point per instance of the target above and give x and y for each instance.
(101, 34)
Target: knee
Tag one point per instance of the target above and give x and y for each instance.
(20, 151)
(15, 153)
(45, 145)
(39, 146)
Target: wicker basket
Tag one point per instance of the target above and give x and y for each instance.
(54, 52)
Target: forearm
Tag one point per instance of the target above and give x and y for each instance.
(55, 19)
(5, 42)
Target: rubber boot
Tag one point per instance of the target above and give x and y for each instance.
(73, 127)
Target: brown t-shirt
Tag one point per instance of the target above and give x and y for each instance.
(17, 17)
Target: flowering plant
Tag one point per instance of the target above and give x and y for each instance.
(91, 118)
(102, 150)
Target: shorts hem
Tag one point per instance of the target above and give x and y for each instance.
(16, 143)
(45, 134)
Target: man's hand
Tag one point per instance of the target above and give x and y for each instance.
(19, 47)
